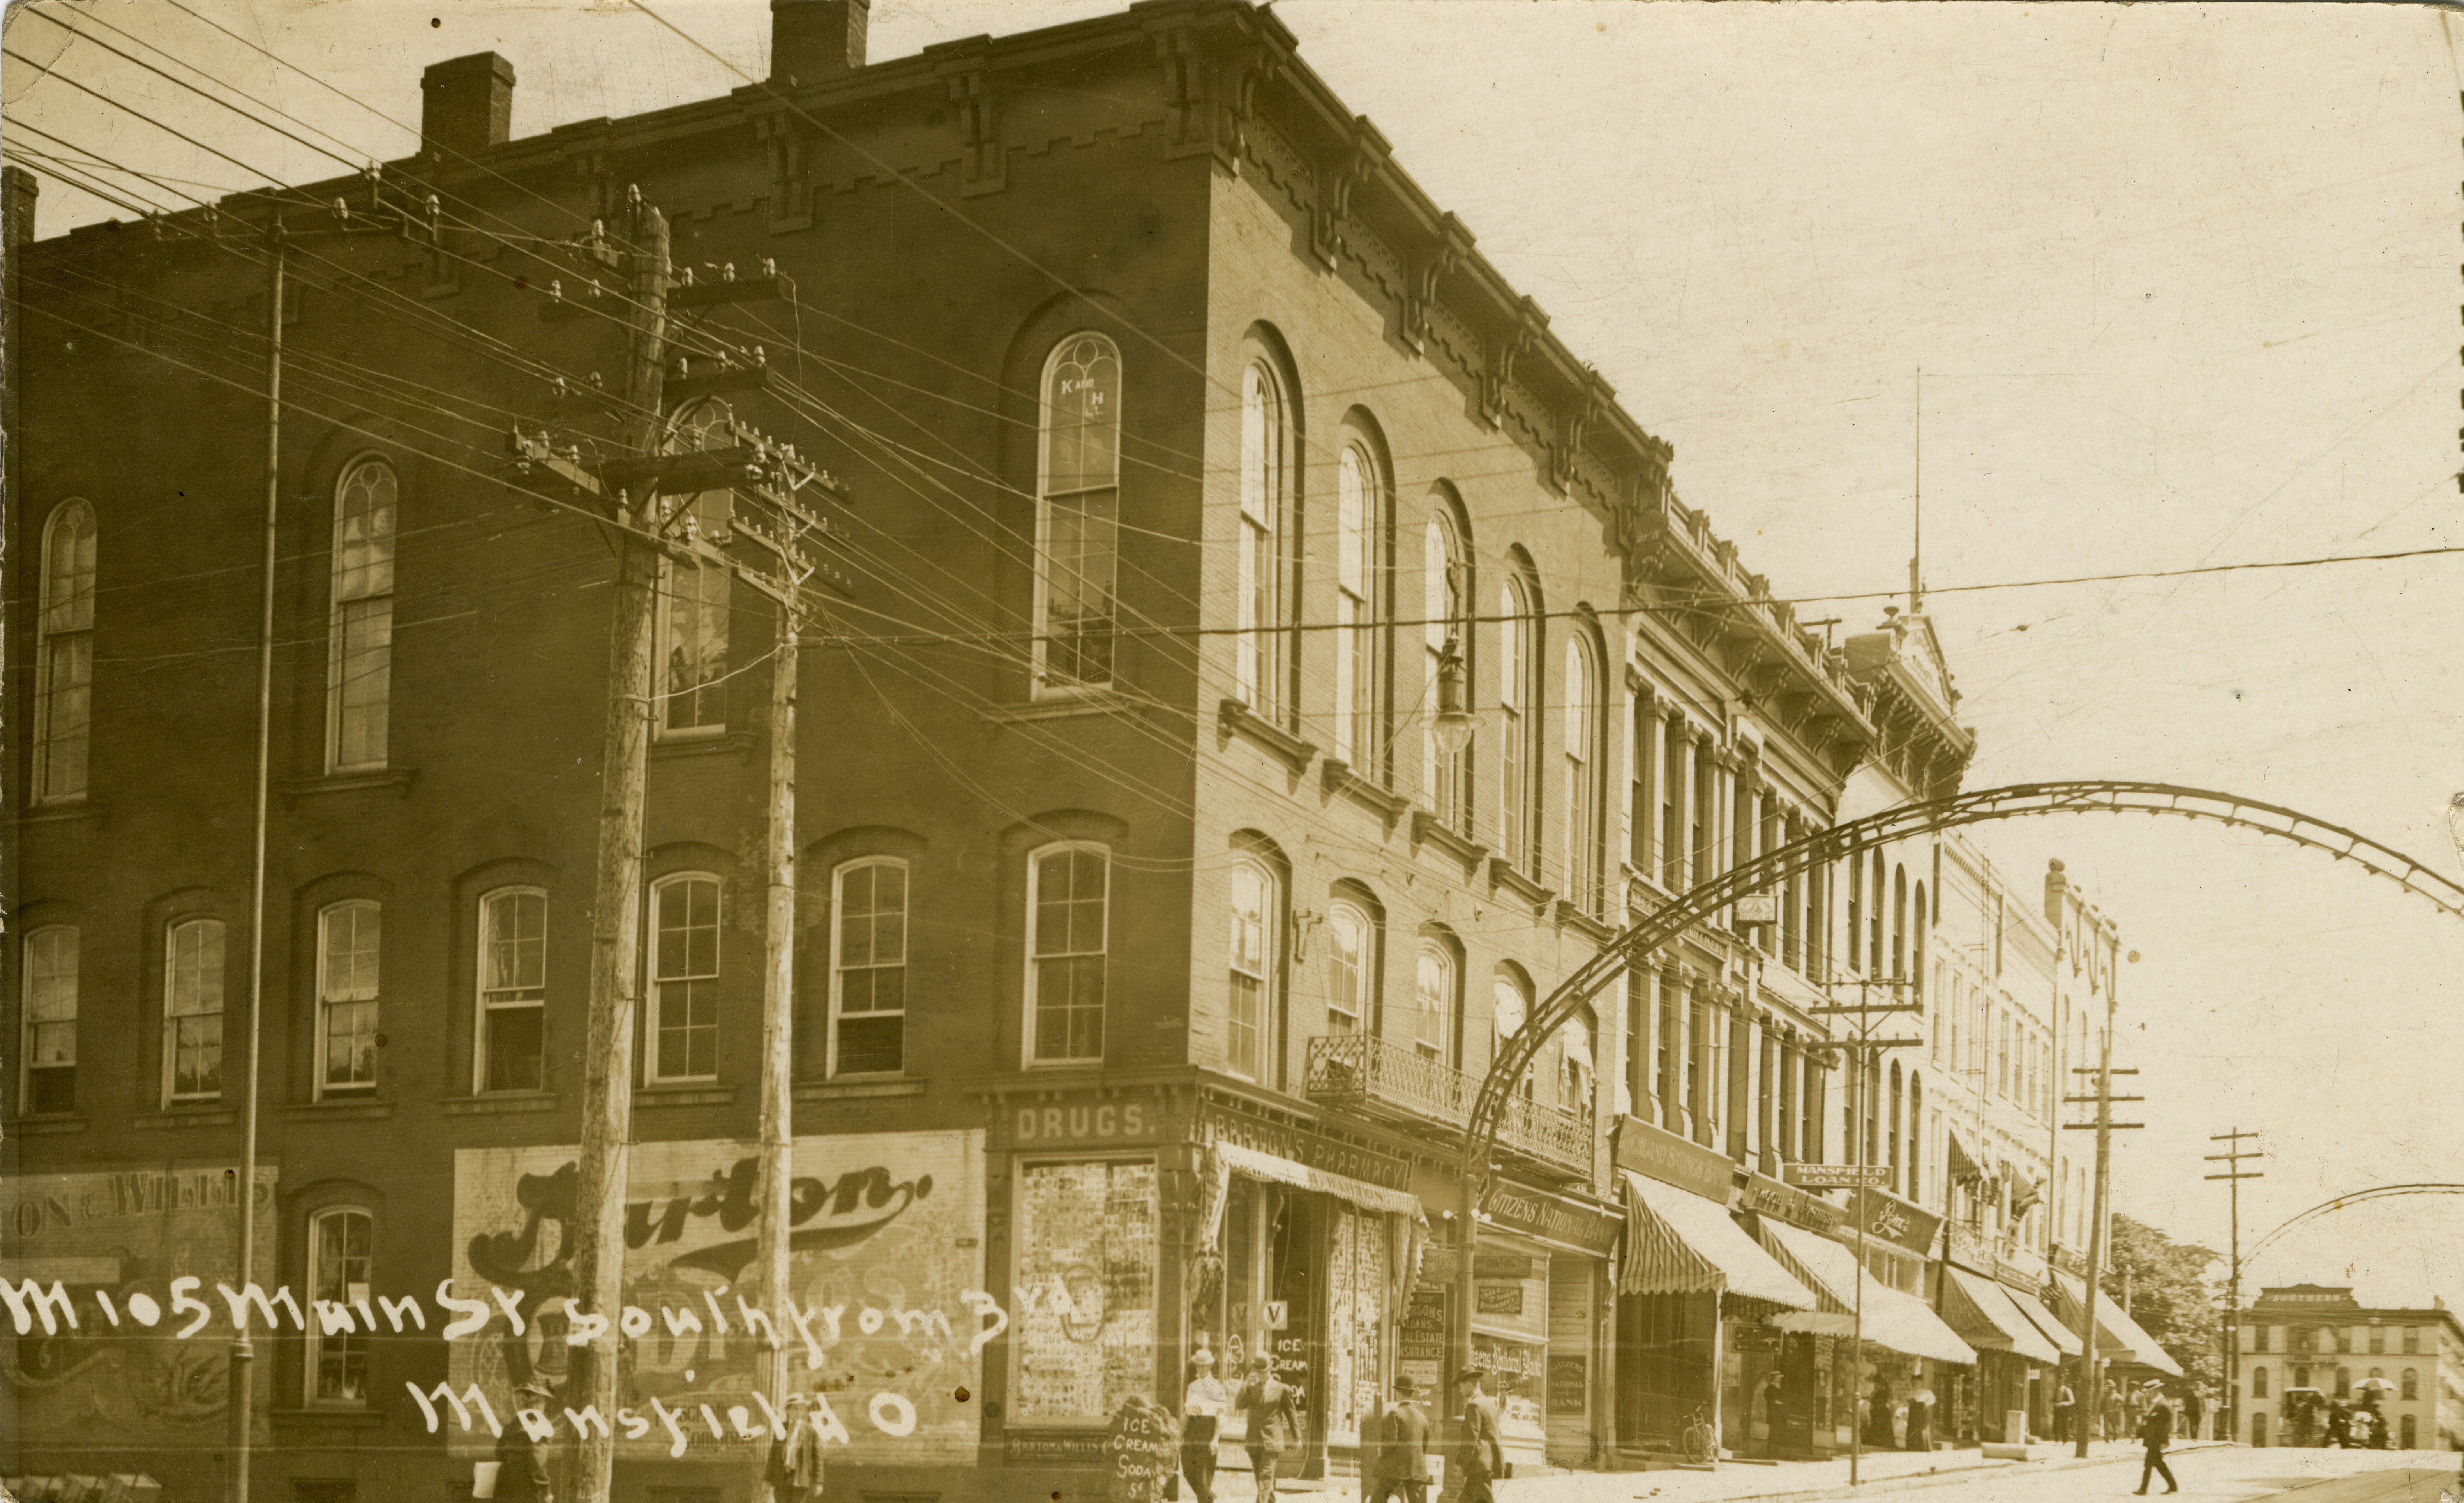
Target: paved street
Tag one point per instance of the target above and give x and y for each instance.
(2233, 1473)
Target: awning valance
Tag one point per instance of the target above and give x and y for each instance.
(1900, 1322)
(2119, 1338)
(1679, 1243)
(1257, 1165)
(2065, 1340)
(1981, 1311)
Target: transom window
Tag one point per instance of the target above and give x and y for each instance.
(64, 656)
(869, 969)
(684, 989)
(1259, 671)
(192, 1010)
(360, 634)
(1078, 517)
(51, 993)
(1067, 904)
(513, 990)
(342, 1270)
(1347, 958)
(349, 939)
(1249, 1003)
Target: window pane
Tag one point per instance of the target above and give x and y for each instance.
(516, 1036)
(363, 532)
(871, 973)
(68, 571)
(696, 660)
(1084, 411)
(52, 975)
(1347, 936)
(1080, 574)
(67, 714)
(362, 679)
(515, 946)
(685, 998)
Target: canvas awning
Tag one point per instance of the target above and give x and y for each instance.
(1680, 1243)
(1900, 1322)
(2119, 1338)
(2065, 1340)
(1982, 1312)
(1233, 1158)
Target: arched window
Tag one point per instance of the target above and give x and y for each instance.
(1576, 1063)
(1892, 1143)
(1068, 892)
(1511, 1008)
(1518, 644)
(1349, 958)
(2258, 1383)
(359, 657)
(2410, 1390)
(869, 967)
(513, 991)
(350, 942)
(342, 1270)
(1916, 1137)
(1433, 998)
(1583, 764)
(50, 1010)
(1916, 971)
(1258, 673)
(682, 1025)
(1899, 923)
(1078, 513)
(1445, 602)
(192, 1010)
(2301, 1377)
(1358, 494)
(1250, 1008)
(64, 656)
(696, 597)
(1875, 921)
(1855, 914)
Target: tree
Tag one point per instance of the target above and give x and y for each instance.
(2171, 1295)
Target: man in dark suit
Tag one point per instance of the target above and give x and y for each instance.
(1484, 1447)
(1274, 1422)
(1399, 1453)
(2156, 1432)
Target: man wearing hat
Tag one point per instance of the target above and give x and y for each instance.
(1274, 1422)
(794, 1470)
(1399, 1456)
(1484, 1447)
(1202, 1408)
(521, 1477)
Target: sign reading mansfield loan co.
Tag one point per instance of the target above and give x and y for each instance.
(1833, 1176)
(884, 1236)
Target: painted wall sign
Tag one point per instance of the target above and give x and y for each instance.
(1894, 1219)
(1500, 1265)
(1083, 1121)
(876, 1220)
(1656, 1154)
(1768, 1197)
(1568, 1385)
(1542, 1214)
(1301, 1146)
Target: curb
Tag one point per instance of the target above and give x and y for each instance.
(1943, 1477)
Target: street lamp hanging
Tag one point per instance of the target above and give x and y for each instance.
(1455, 722)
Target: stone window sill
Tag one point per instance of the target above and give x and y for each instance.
(338, 1108)
(1069, 705)
(1427, 829)
(48, 1125)
(65, 812)
(1338, 778)
(1571, 914)
(859, 1087)
(684, 1095)
(507, 1104)
(189, 1116)
(1502, 873)
(398, 780)
(676, 746)
(1236, 719)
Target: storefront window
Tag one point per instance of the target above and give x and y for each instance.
(1085, 1320)
(1356, 1343)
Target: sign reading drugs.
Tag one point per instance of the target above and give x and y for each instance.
(1835, 1176)
(883, 1232)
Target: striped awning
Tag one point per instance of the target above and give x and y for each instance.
(2119, 1338)
(1900, 1322)
(1981, 1311)
(1679, 1243)
(2065, 1340)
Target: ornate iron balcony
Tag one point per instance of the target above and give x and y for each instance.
(1384, 1078)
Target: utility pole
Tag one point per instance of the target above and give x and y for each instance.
(2091, 1390)
(2230, 1335)
(779, 998)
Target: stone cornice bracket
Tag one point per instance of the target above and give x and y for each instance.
(1504, 350)
(1354, 163)
(785, 140)
(1212, 69)
(1573, 422)
(1429, 267)
(984, 166)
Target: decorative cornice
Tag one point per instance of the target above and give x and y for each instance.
(1506, 347)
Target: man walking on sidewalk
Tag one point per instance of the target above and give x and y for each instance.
(2156, 1432)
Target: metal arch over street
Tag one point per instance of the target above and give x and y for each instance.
(2017, 801)
(2356, 1198)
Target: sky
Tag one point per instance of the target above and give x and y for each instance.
(2147, 287)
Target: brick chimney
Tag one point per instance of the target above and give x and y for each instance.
(468, 104)
(815, 40)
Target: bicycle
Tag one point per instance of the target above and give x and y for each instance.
(1700, 1442)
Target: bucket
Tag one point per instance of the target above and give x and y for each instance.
(483, 1478)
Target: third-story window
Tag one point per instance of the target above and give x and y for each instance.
(1443, 600)
(1068, 892)
(513, 990)
(1356, 496)
(341, 1263)
(192, 1010)
(1582, 777)
(64, 656)
(684, 979)
(1575, 1063)
(51, 994)
(695, 596)
(1347, 958)
(1249, 1004)
(1078, 516)
(359, 658)
(868, 969)
(1258, 671)
(349, 941)
(1518, 643)
(1433, 996)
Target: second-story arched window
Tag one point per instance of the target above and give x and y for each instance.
(1358, 526)
(1349, 956)
(1577, 1064)
(1518, 646)
(192, 1010)
(512, 1035)
(359, 658)
(683, 1023)
(1251, 1000)
(1899, 923)
(1433, 1002)
(342, 1270)
(869, 967)
(50, 961)
(1509, 1009)
(1069, 922)
(64, 656)
(1078, 515)
(1258, 671)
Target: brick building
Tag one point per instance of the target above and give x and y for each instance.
(1152, 940)
(2317, 1336)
